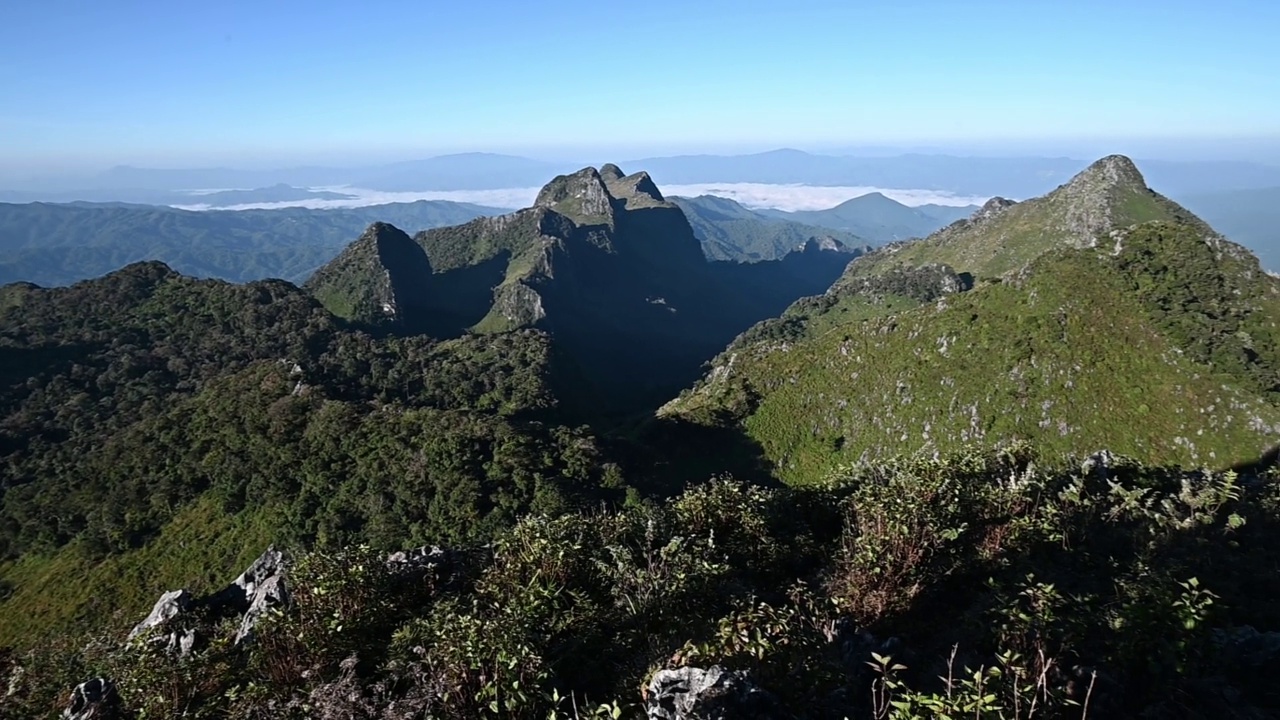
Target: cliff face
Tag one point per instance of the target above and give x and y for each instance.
(602, 261)
(378, 280)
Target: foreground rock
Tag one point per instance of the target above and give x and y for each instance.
(691, 693)
(250, 596)
(92, 700)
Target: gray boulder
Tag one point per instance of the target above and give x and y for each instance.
(95, 699)
(419, 560)
(169, 606)
(240, 594)
(250, 596)
(691, 693)
(268, 593)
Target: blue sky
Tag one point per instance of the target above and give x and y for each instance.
(86, 83)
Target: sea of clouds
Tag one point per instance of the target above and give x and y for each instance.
(752, 195)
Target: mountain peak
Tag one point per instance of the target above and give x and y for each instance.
(381, 232)
(636, 190)
(1111, 171)
(610, 172)
(992, 208)
(376, 279)
(581, 196)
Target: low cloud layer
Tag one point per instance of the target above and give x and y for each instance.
(814, 197)
(752, 195)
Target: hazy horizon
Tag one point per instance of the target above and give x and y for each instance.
(1261, 151)
(262, 86)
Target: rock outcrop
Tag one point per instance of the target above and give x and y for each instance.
(95, 699)
(250, 596)
(691, 693)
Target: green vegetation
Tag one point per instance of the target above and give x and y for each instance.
(877, 505)
(134, 398)
(1070, 358)
(979, 585)
(1159, 341)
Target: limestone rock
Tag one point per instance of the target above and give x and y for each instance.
(692, 693)
(992, 208)
(169, 606)
(95, 699)
(252, 595)
(581, 196)
(427, 557)
(240, 593)
(268, 594)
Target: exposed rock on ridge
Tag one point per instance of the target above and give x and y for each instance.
(255, 592)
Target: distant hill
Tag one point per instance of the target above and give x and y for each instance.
(878, 219)
(729, 231)
(1101, 314)
(58, 244)
(1018, 177)
(274, 194)
(1249, 217)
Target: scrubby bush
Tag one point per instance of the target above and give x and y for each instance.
(980, 585)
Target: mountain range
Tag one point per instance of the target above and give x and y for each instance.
(973, 176)
(978, 468)
(58, 244)
(729, 231)
(879, 219)
(602, 261)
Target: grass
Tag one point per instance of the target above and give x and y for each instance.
(202, 550)
(1067, 360)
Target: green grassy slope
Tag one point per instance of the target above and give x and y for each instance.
(1067, 361)
(1109, 195)
(1160, 342)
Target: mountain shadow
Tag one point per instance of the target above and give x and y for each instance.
(601, 261)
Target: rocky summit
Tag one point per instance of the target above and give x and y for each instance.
(601, 261)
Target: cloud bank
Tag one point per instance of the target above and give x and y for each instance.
(815, 197)
(752, 195)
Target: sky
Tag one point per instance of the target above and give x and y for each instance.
(89, 84)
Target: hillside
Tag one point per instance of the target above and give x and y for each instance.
(729, 231)
(51, 244)
(956, 587)
(146, 408)
(602, 262)
(987, 443)
(1100, 315)
(278, 193)
(879, 219)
